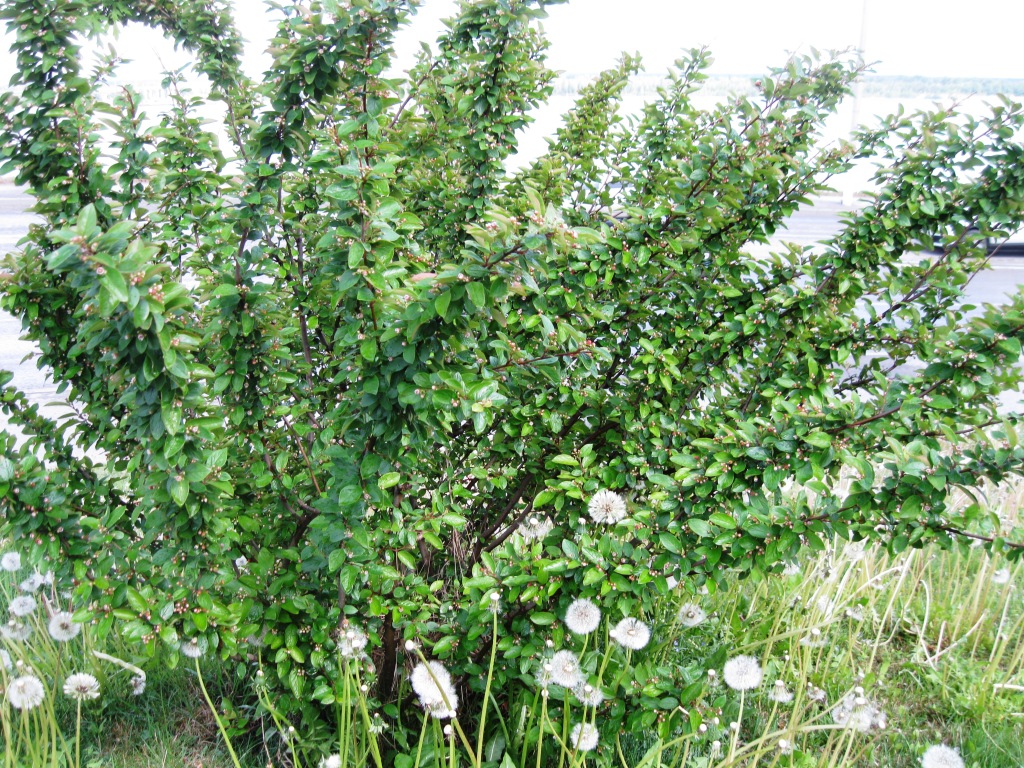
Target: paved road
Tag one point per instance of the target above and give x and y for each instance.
(807, 227)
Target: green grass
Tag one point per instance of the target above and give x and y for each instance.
(935, 638)
(169, 725)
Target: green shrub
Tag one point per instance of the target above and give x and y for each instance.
(350, 371)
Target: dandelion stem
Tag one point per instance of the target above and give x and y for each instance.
(343, 746)
(78, 733)
(371, 736)
(487, 689)
(736, 732)
(528, 722)
(423, 735)
(217, 717)
(540, 728)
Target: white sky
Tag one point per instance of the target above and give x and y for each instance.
(907, 37)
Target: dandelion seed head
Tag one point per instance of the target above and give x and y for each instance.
(543, 676)
(194, 648)
(63, 627)
(432, 683)
(582, 617)
(36, 581)
(813, 639)
(588, 695)
(26, 692)
(82, 686)
(584, 737)
(1002, 576)
(607, 507)
(858, 713)
(856, 551)
(692, 615)
(941, 756)
(10, 561)
(825, 606)
(631, 633)
(536, 528)
(5, 657)
(16, 630)
(779, 693)
(352, 642)
(565, 669)
(138, 684)
(22, 606)
(742, 673)
(331, 761)
(814, 693)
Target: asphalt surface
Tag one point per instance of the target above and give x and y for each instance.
(805, 228)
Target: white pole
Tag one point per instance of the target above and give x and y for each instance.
(858, 87)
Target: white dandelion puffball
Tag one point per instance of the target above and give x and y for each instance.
(352, 642)
(138, 684)
(26, 692)
(63, 627)
(11, 561)
(588, 695)
(814, 693)
(941, 756)
(582, 617)
(779, 693)
(692, 615)
(535, 528)
(607, 507)
(583, 737)
(82, 686)
(5, 657)
(36, 581)
(858, 713)
(194, 648)
(1002, 576)
(16, 630)
(544, 677)
(742, 673)
(433, 685)
(23, 605)
(631, 633)
(565, 669)
(334, 761)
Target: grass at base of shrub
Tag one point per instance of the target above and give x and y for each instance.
(169, 725)
(936, 638)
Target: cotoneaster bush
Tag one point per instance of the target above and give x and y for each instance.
(347, 372)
